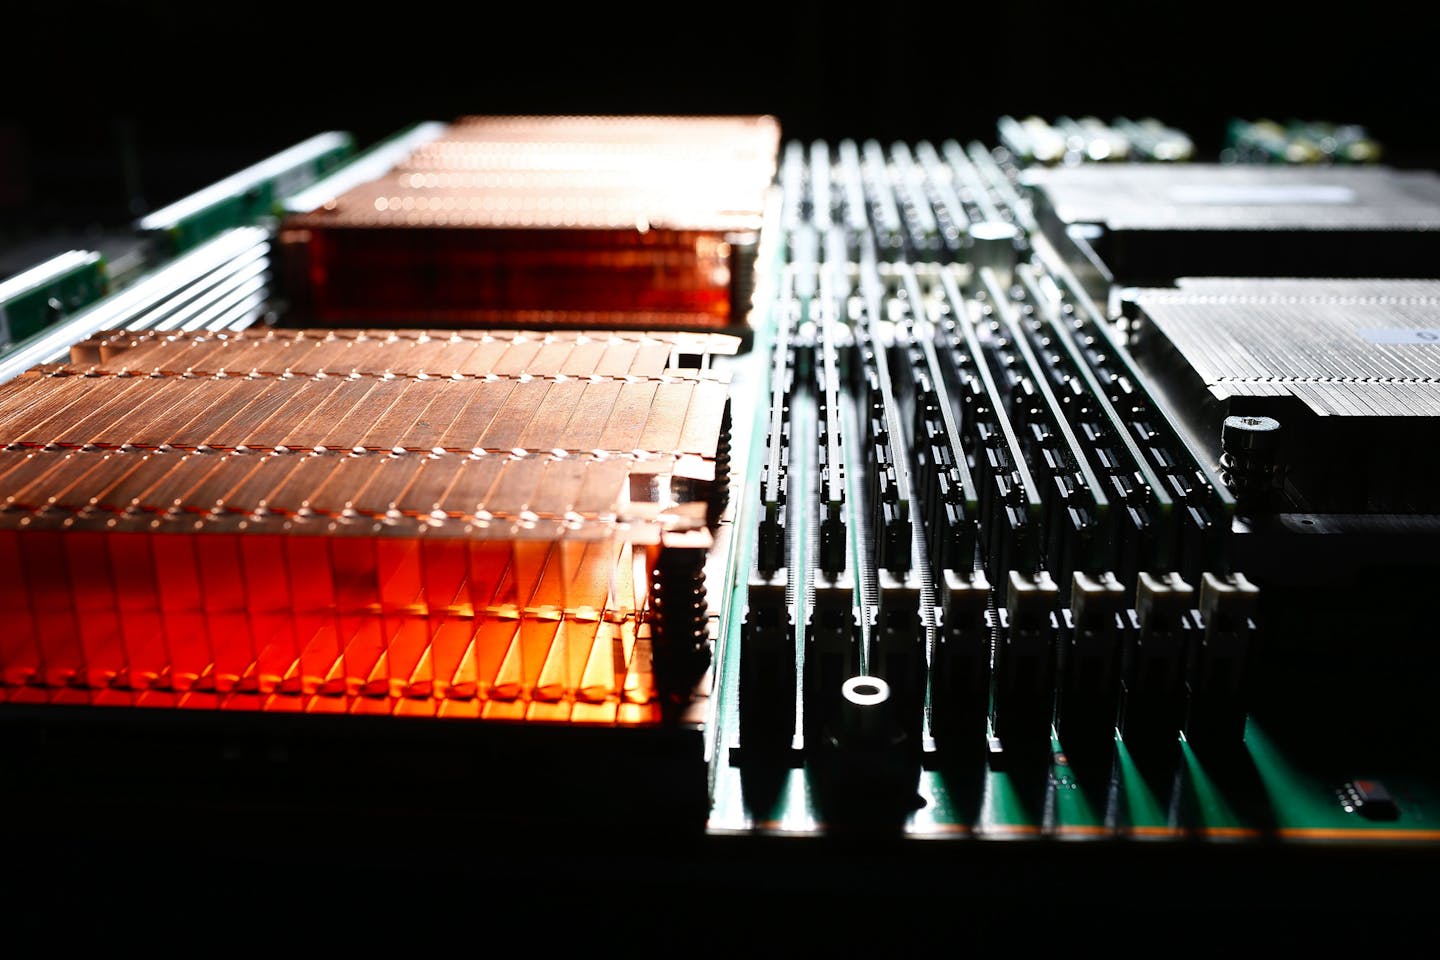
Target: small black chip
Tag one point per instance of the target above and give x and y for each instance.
(1370, 799)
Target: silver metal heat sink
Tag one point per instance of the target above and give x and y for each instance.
(1346, 348)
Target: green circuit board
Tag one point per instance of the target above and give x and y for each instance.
(1290, 777)
(247, 195)
(48, 292)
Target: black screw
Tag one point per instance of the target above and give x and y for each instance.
(1248, 461)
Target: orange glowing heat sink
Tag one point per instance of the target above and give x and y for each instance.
(363, 521)
(637, 217)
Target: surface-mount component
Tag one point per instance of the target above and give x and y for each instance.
(1370, 799)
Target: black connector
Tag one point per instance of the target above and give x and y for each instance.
(1218, 662)
(1025, 662)
(1090, 663)
(1153, 686)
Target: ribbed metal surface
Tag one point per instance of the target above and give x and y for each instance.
(684, 173)
(1346, 348)
(1211, 197)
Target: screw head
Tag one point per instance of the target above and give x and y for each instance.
(1250, 433)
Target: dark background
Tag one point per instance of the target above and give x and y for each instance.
(108, 110)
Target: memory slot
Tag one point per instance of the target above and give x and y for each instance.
(768, 660)
(952, 585)
(833, 593)
(1143, 508)
(1165, 670)
(834, 536)
(822, 195)
(961, 666)
(774, 479)
(792, 173)
(942, 482)
(1207, 507)
(997, 183)
(971, 187)
(852, 187)
(922, 230)
(804, 266)
(943, 487)
(884, 212)
(887, 472)
(952, 218)
(1010, 506)
(1027, 620)
(895, 576)
(1076, 531)
(1081, 544)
